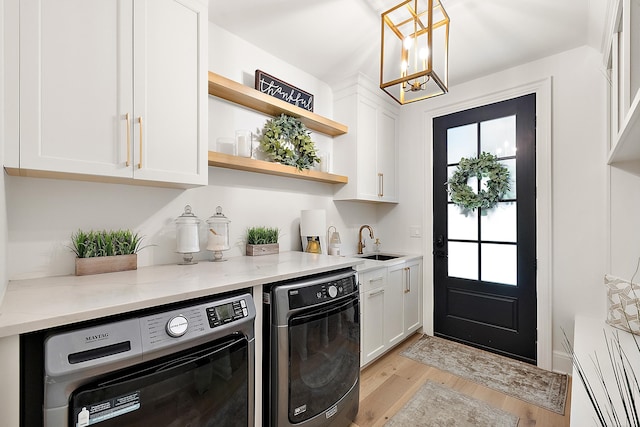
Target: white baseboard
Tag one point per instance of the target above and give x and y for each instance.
(562, 362)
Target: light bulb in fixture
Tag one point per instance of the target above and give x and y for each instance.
(424, 53)
(408, 42)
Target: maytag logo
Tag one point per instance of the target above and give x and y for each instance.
(97, 337)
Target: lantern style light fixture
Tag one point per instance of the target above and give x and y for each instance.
(414, 55)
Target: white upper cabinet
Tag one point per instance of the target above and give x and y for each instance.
(622, 57)
(368, 153)
(115, 89)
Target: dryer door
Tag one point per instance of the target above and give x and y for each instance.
(203, 386)
(324, 358)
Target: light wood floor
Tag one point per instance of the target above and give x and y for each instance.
(389, 382)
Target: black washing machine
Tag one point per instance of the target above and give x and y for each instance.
(312, 351)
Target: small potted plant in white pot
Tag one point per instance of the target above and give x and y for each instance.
(105, 251)
(262, 241)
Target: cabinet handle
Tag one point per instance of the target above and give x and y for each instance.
(376, 279)
(408, 275)
(373, 294)
(380, 185)
(128, 119)
(140, 162)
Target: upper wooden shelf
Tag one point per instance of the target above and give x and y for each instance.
(251, 165)
(246, 96)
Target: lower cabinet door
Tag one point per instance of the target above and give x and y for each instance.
(413, 297)
(373, 342)
(394, 323)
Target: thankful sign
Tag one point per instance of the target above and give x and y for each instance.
(272, 86)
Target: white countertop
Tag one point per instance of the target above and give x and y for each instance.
(36, 304)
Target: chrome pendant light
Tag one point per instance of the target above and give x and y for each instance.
(414, 56)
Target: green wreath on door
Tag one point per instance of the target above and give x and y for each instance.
(485, 166)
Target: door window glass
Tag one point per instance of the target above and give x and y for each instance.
(501, 224)
(472, 252)
(462, 142)
(498, 136)
(463, 227)
(463, 260)
(499, 263)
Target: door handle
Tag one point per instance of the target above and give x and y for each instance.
(439, 253)
(439, 242)
(140, 158)
(128, 119)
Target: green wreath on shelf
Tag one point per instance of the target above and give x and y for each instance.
(485, 166)
(287, 140)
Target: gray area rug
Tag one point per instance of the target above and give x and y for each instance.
(517, 379)
(437, 406)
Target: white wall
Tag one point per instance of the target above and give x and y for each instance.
(42, 213)
(578, 179)
(625, 227)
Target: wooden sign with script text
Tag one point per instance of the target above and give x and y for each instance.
(272, 86)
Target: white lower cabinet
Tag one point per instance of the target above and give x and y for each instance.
(409, 278)
(391, 306)
(372, 285)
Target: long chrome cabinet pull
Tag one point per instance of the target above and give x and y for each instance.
(408, 274)
(380, 185)
(140, 162)
(128, 119)
(376, 279)
(373, 294)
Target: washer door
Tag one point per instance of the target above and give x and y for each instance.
(324, 356)
(204, 386)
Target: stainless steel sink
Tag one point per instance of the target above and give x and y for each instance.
(379, 257)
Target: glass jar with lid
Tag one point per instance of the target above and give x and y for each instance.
(218, 234)
(187, 239)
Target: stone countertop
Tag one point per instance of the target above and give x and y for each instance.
(36, 304)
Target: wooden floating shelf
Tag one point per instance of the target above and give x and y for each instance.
(246, 96)
(251, 165)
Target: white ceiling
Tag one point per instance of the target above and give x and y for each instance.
(332, 39)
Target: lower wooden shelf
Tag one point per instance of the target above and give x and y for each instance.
(228, 161)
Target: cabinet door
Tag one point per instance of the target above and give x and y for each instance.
(75, 85)
(373, 319)
(387, 154)
(367, 172)
(372, 285)
(170, 87)
(412, 297)
(394, 319)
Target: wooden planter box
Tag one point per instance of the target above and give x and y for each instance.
(256, 250)
(106, 264)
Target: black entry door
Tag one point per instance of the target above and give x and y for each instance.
(485, 259)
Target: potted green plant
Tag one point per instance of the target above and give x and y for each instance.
(262, 241)
(105, 251)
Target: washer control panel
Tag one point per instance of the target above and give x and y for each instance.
(321, 292)
(195, 322)
(225, 313)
